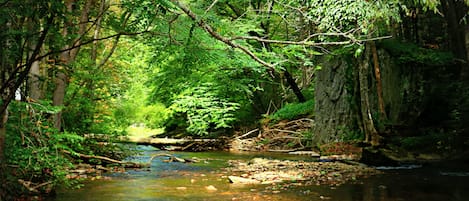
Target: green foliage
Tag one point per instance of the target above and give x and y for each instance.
(35, 149)
(344, 15)
(204, 110)
(294, 110)
(411, 53)
(153, 116)
(34, 146)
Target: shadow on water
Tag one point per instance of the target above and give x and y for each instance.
(185, 181)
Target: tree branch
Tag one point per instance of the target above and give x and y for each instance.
(219, 37)
(306, 42)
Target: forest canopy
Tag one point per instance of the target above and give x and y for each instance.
(382, 71)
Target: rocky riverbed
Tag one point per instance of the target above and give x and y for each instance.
(268, 171)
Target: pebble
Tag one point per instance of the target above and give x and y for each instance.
(211, 188)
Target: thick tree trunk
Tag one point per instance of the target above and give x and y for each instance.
(371, 135)
(335, 116)
(67, 57)
(455, 13)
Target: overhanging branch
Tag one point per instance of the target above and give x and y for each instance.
(219, 37)
(347, 36)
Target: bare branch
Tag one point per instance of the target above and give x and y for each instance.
(306, 42)
(219, 37)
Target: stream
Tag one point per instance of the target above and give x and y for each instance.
(206, 180)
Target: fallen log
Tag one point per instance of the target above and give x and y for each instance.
(185, 143)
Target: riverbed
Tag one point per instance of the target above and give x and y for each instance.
(207, 180)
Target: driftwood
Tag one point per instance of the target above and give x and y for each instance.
(248, 133)
(126, 163)
(172, 158)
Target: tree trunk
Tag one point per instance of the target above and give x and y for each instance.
(379, 85)
(67, 57)
(59, 96)
(294, 86)
(455, 15)
(34, 82)
(455, 12)
(371, 135)
(335, 114)
(3, 120)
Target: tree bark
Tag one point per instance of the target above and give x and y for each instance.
(371, 135)
(67, 57)
(455, 12)
(379, 85)
(59, 96)
(334, 113)
(35, 91)
(3, 120)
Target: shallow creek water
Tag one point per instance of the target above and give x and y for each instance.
(190, 181)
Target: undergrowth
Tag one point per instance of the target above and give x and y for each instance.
(293, 111)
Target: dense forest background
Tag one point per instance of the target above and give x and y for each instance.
(381, 72)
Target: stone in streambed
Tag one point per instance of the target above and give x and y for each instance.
(241, 180)
(211, 188)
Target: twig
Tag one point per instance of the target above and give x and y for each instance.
(210, 7)
(286, 131)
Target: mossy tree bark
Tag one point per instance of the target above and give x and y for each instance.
(335, 114)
